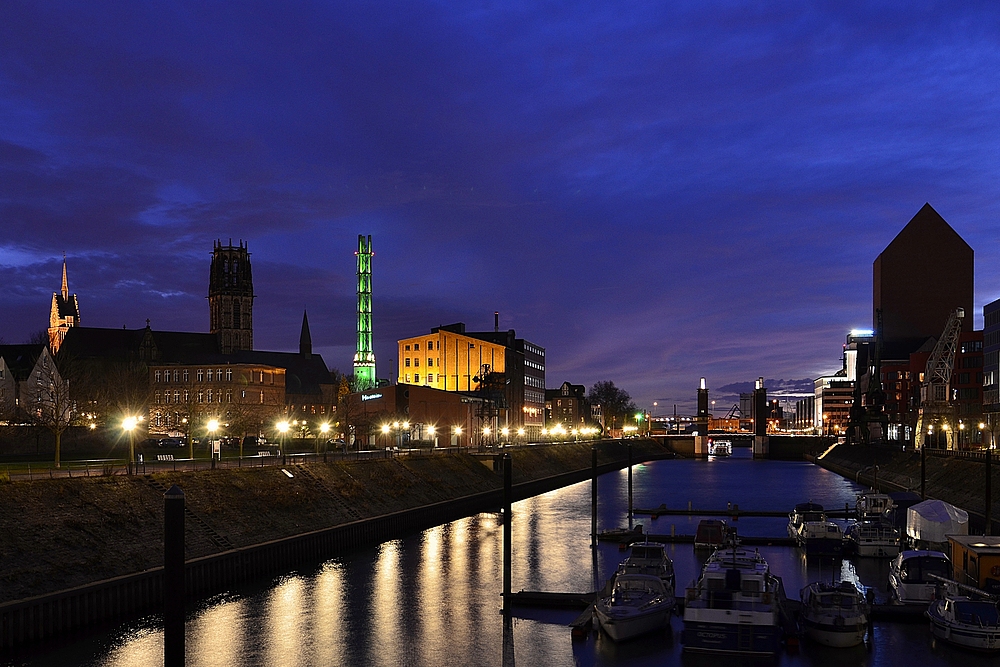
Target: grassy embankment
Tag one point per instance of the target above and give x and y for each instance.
(961, 482)
(57, 534)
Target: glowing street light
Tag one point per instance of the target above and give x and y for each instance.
(129, 424)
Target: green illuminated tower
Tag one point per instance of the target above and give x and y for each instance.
(364, 358)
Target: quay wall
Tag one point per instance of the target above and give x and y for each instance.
(22, 621)
(955, 477)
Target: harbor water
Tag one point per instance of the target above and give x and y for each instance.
(433, 598)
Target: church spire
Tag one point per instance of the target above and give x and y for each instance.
(305, 340)
(65, 283)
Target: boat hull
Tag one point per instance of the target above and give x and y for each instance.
(869, 550)
(961, 634)
(736, 638)
(824, 632)
(623, 628)
(820, 546)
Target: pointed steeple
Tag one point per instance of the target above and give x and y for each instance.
(305, 340)
(65, 283)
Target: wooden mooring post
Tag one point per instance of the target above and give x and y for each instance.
(593, 497)
(507, 494)
(630, 486)
(173, 577)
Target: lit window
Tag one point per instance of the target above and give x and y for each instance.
(430, 345)
(177, 376)
(416, 377)
(201, 377)
(416, 347)
(406, 362)
(416, 361)
(430, 362)
(407, 347)
(201, 397)
(185, 375)
(229, 375)
(177, 397)
(209, 379)
(157, 399)
(430, 378)
(157, 376)
(210, 393)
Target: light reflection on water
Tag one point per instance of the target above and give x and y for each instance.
(434, 598)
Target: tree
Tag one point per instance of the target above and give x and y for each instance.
(46, 399)
(616, 404)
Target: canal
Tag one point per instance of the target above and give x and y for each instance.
(433, 598)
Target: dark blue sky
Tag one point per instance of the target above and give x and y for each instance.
(651, 191)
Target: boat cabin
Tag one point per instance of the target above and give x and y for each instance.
(976, 561)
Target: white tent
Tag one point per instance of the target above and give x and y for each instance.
(931, 520)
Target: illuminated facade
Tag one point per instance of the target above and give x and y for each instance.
(245, 397)
(64, 313)
(364, 357)
(450, 359)
(230, 297)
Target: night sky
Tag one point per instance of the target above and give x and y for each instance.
(651, 191)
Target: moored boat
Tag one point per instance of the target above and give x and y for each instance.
(914, 576)
(650, 558)
(820, 538)
(872, 506)
(965, 622)
(834, 614)
(710, 534)
(804, 512)
(638, 604)
(720, 448)
(877, 539)
(733, 607)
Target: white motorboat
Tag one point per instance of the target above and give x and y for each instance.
(914, 576)
(734, 607)
(804, 512)
(878, 539)
(965, 621)
(834, 614)
(720, 448)
(650, 558)
(820, 538)
(872, 506)
(639, 603)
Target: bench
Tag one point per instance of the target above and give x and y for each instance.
(164, 457)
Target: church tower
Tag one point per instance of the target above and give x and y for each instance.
(230, 297)
(65, 313)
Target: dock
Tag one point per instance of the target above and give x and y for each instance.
(733, 512)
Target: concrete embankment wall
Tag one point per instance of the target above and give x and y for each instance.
(269, 502)
(955, 480)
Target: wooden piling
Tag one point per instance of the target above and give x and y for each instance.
(630, 486)
(507, 496)
(173, 577)
(593, 497)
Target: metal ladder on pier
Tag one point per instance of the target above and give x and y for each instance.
(218, 540)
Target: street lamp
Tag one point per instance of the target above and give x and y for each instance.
(213, 426)
(324, 428)
(282, 429)
(129, 424)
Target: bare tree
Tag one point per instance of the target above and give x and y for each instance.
(46, 400)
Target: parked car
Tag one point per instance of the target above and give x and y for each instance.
(171, 442)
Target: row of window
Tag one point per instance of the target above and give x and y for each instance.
(531, 381)
(416, 362)
(416, 346)
(531, 364)
(208, 396)
(210, 375)
(971, 346)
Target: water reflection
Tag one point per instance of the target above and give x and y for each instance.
(434, 598)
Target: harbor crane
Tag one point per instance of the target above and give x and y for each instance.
(936, 410)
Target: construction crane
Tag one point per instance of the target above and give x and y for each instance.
(936, 410)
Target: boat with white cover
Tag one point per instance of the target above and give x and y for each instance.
(720, 448)
(970, 621)
(834, 614)
(734, 607)
(639, 603)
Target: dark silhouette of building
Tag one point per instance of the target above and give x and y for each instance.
(991, 356)
(924, 274)
(230, 297)
(567, 405)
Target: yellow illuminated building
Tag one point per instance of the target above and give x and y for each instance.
(447, 360)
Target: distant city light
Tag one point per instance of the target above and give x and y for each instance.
(862, 332)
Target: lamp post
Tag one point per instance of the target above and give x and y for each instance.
(431, 431)
(385, 435)
(282, 430)
(458, 434)
(212, 426)
(129, 424)
(324, 429)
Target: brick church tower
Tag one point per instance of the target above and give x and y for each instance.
(230, 297)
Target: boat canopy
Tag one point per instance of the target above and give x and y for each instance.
(932, 520)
